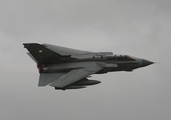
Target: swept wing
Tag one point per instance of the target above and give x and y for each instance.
(73, 76)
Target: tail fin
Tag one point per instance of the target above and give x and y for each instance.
(41, 54)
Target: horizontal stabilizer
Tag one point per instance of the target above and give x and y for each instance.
(47, 78)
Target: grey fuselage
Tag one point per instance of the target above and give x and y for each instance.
(66, 68)
(108, 64)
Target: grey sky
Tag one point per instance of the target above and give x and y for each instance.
(137, 27)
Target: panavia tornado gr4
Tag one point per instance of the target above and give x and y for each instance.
(65, 68)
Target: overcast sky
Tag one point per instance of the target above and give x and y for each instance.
(141, 28)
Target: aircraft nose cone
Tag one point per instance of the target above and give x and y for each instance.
(146, 63)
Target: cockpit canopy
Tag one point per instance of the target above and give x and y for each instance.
(121, 58)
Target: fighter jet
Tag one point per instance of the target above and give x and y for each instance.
(66, 68)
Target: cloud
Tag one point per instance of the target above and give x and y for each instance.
(138, 28)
